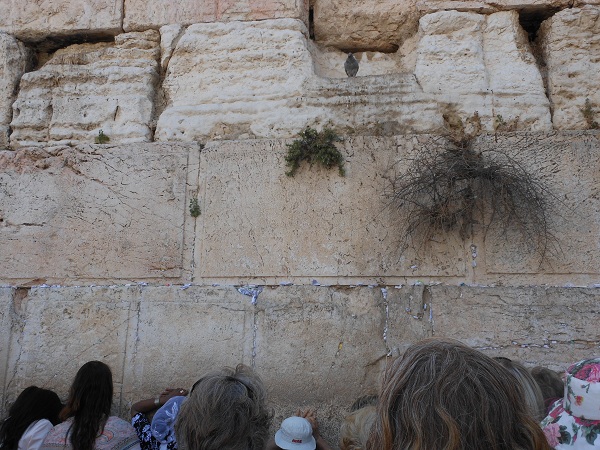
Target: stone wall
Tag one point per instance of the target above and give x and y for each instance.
(100, 257)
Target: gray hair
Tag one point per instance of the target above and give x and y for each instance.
(226, 410)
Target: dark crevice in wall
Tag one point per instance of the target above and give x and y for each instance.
(42, 51)
(311, 23)
(531, 20)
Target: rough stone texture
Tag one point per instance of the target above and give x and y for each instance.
(87, 87)
(317, 346)
(488, 7)
(13, 63)
(484, 64)
(239, 80)
(339, 230)
(552, 327)
(380, 25)
(569, 165)
(570, 42)
(6, 323)
(169, 37)
(181, 333)
(316, 225)
(122, 213)
(62, 328)
(33, 20)
(95, 212)
(144, 14)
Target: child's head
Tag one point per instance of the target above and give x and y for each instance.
(295, 434)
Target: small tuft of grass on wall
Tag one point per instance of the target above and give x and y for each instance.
(101, 138)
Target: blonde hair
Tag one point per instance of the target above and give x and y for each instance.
(226, 410)
(444, 395)
(356, 428)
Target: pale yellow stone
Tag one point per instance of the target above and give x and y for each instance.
(95, 212)
(14, 59)
(570, 42)
(34, 20)
(379, 25)
(86, 88)
(488, 7)
(143, 14)
(477, 63)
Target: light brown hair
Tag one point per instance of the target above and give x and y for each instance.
(226, 410)
(443, 395)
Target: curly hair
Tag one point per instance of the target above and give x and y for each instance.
(32, 404)
(226, 410)
(90, 399)
(444, 395)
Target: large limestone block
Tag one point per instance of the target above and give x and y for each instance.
(183, 332)
(570, 42)
(14, 58)
(143, 14)
(88, 87)
(257, 79)
(320, 345)
(492, 6)
(34, 20)
(315, 226)
(569, 166)
(94, 212)
(65, 327)
(552, 327)
(380, 25)
(482, 63)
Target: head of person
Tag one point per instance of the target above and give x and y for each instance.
(225, 410)
(356, 428)
(444, 395)
(32, 404)
(89, 402)
(533, 394)
(550, 382)
(574, 422)
(295, 434)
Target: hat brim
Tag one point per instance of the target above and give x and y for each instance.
(310, 444)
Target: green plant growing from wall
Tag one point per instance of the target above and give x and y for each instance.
(589, 115)
(194, 207)
(101, 138)
(315, 147)
(449, 185)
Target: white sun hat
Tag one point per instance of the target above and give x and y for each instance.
(295, 434)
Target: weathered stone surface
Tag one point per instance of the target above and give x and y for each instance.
(142, 14)
(88, 87)
(569, 165)
(552, 327)
(65, 327)
(169, 37)
(338, 230)
(94, 212)
(205, 328)
(33, 20)
(380, 25)
(570, 42)
(6, 333)
(13, 63)
(488, 7)
(339, 365)
(240, 80)
(482, 63)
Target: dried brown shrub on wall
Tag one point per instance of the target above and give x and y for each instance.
(449, 186)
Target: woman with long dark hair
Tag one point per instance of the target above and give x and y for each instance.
(30, 418)
(88, 424)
